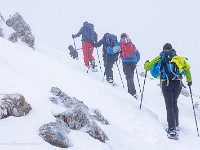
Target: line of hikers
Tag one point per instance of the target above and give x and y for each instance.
(169, 67)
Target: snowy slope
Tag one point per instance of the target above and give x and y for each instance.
(33, 73)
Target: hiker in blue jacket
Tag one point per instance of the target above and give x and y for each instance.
(130, 57)
(109, 59)
(89, 36)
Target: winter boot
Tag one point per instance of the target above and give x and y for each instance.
(93, 67)
(136, 96)
(110, 80)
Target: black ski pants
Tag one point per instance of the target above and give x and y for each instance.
(109, 60)
(129, 68)
(171, 93)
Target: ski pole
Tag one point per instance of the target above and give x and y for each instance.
(194, 111)
(105, 64)
(138, 80)
(78, 49)
(120, 75)
(74, 43)
(99, 59)
(143, 89)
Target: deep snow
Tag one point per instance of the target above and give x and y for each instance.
(33, 73)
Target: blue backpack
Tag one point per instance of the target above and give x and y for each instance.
(164, 68)
(111, 41)
(88, 32)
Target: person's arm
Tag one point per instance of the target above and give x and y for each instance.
(98, 44)
(188, 75)
(138, 55)
(78, 34)
(148, 65)
(95, 37)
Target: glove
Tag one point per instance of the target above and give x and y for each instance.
(189, 83)
(73, 36)
(146, 61)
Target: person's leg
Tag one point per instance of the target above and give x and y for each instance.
(176, 92)
(91, 49)
(109, 66)
(127, 66)
(168, 96)
(85, 47)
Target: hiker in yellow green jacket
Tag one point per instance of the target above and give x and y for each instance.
(171, 70)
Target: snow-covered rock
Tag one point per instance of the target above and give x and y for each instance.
(78, 115)
(13, 105)
(22, 29)
(55, 133)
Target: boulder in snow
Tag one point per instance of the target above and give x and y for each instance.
(13, 105)
(55, 133)
(23, 30)
(78, 116)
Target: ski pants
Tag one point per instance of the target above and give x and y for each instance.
(109, 60)
(171, 94)
(87, 52)
(128, 69)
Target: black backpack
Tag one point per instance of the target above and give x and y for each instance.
(169, 70)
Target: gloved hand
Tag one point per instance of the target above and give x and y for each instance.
(189, 83)
(73, 36)
(146, 61)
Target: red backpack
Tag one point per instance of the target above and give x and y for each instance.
(128, 49)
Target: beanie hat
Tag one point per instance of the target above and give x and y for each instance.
(167, 46)
(123, 35)
(105, 35)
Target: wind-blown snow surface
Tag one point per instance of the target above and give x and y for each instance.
(33, 73)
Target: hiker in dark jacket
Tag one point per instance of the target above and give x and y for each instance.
(86, 44)
(129, 64)
(171, 88)
(109, 59)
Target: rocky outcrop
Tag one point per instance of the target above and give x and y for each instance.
(13, 105)
(55, 133)
(1, 30)
(78, 116)
(23, 30)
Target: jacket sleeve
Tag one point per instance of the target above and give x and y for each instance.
(149, 65)
(95, 37)
(98, 44)
(79, 33)
(138, 55)
(188, 75)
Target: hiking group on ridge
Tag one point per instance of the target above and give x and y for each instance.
(168, 67)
